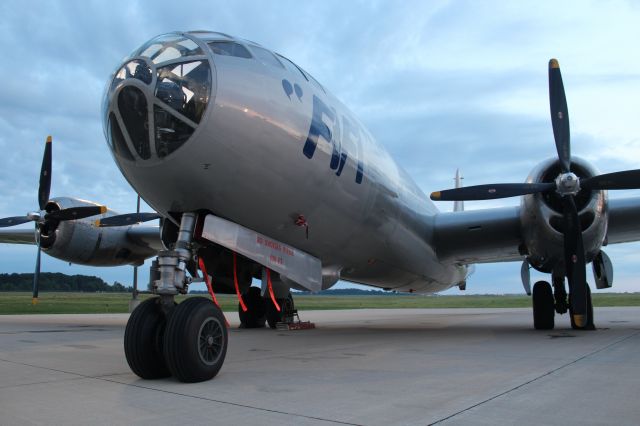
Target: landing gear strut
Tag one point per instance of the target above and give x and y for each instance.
(189, 340)
(560, 294)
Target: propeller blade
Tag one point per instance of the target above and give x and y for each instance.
(126, 219)
(15, 220)
(628, 179)
(73, 213)
(559, 115)
(36, 277)
(575, 263)
(490, 192)
(45, 175)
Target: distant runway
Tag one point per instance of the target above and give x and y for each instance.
(369, 367)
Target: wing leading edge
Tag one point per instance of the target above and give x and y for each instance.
(18, 236)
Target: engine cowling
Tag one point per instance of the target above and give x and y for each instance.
(81, 242)
(542, 220)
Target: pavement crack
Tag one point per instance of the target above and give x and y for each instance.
(535, 379)
(105, 378)
(235, 404)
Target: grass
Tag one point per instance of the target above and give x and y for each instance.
(96, 303)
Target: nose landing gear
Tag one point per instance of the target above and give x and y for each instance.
(188, 341)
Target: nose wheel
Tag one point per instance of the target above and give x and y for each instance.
(143, 339)
(195, 342)
(190, 342)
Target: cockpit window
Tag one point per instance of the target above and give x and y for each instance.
(169, 47)
(229, 48)
(266, 57)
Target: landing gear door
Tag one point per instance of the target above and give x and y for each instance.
(602, 271)
(286, 260)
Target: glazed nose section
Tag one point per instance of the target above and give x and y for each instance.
(157, 99)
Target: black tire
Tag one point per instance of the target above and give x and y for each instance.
(286, 309)
(543, 306)
(255, 316)
(196, 338)
(589, 325)
(143, 339)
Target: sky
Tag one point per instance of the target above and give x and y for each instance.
(441, 84)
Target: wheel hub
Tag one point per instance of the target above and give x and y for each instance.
(210, 341)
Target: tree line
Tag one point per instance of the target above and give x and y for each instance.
(55, 281)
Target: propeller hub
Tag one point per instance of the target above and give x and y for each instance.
(567, 184)
(34, 216)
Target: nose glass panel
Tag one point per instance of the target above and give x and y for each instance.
(159, 97)
(133, 109)
(185, 88)
(133, 69)
(168, 47)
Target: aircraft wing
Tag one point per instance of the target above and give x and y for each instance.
(494, 235)
(146, 235)
(17, 236)
(624, 220)
(142, 235)
(478, 236)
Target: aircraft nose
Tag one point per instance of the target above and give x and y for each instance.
(157, 98)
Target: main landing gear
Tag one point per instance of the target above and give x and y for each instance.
(261, 310)
(189, 340)
(547, 302)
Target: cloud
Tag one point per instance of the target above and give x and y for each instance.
(441, 84)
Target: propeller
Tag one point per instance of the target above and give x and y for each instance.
(42, 217)
(126, 219)
(567, 185)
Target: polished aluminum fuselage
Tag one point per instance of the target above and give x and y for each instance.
(245, 163)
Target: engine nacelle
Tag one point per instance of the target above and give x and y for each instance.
(542, 220)
(81, 242)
